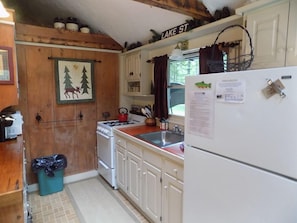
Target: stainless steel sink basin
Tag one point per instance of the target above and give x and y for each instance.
(161, 138)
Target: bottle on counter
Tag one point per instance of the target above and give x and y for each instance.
(163, 124)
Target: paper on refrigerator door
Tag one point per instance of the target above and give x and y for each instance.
(230, 91)
(201, 112)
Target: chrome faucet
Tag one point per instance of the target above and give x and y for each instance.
(177, 129)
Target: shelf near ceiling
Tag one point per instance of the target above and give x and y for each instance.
(37, 34)
(194, 33)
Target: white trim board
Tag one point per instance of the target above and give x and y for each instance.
(69, 179)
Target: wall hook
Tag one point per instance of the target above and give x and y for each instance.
(38, 117)
(80, 116)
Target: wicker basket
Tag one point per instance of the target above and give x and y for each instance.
(242, 62)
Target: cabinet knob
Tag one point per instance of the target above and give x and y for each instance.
(144, 173)
(165, 187)
(138, 169)
(175, 170)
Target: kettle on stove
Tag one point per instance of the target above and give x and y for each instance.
(123, 114)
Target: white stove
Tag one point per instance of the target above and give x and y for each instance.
(106, 145)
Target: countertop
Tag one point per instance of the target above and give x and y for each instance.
(172, 151)
(11, 171)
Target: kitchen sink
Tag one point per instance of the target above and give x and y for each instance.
(161, 138)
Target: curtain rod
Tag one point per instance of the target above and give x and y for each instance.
(61, 58)
(229, 44)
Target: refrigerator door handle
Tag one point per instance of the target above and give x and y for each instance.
(276, 87)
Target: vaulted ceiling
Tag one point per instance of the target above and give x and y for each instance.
(123, 20)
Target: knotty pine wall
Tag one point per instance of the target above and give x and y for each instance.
(60, 130)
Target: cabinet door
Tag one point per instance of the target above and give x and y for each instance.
(121, 168)
(268, 30)
(172, 197)
(291, 58)
(134, 177)
(151, 195)
(133, 66)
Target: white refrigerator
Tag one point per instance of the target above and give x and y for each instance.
(241, 147)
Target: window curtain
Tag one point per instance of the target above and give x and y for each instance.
(209, 53)
(160, 80)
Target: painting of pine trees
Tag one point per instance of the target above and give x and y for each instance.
(74, 81)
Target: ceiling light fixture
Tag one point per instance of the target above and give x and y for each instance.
(3, 12)
(177, 53)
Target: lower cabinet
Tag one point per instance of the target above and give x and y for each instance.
(121, 167)
(134, 177)
(151, 181)
(172, 197)
(152, 185)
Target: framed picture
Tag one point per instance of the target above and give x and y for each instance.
(6, 65)
(74, 81)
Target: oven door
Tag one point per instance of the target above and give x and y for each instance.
(105, 149)
(105, 153)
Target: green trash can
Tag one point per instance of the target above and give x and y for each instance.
(50, 173)
(49, 185)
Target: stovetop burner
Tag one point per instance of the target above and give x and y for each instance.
(118, 123)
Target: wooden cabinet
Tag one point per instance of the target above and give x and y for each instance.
(273, 34)
(138, 74)
(7, 30)
(128, 168)
(11, 178)
(291, 52)
(172, 194)
(154, 183)
(134, 173)
(121, 167)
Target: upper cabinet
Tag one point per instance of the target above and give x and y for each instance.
(273, 28)
(138, 74)
(8, 64)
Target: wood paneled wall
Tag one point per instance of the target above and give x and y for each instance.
(60, 130)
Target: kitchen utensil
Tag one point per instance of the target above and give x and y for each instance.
(148, 111)
(144, 112)
(123, 114)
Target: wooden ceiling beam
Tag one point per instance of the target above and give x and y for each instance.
(193, 8)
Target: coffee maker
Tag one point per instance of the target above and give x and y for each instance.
(5, 121)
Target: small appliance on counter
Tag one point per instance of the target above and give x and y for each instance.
(11, 132)
(11, 122)
(5, 121)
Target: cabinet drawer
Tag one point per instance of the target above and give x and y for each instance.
(174, 169)
(134, 148)
(121, 142)
(152, 158)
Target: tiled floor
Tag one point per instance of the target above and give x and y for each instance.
(53, 208)
(58, 207)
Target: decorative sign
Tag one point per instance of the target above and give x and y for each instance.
(174, 31)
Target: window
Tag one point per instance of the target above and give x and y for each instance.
(177, 72)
